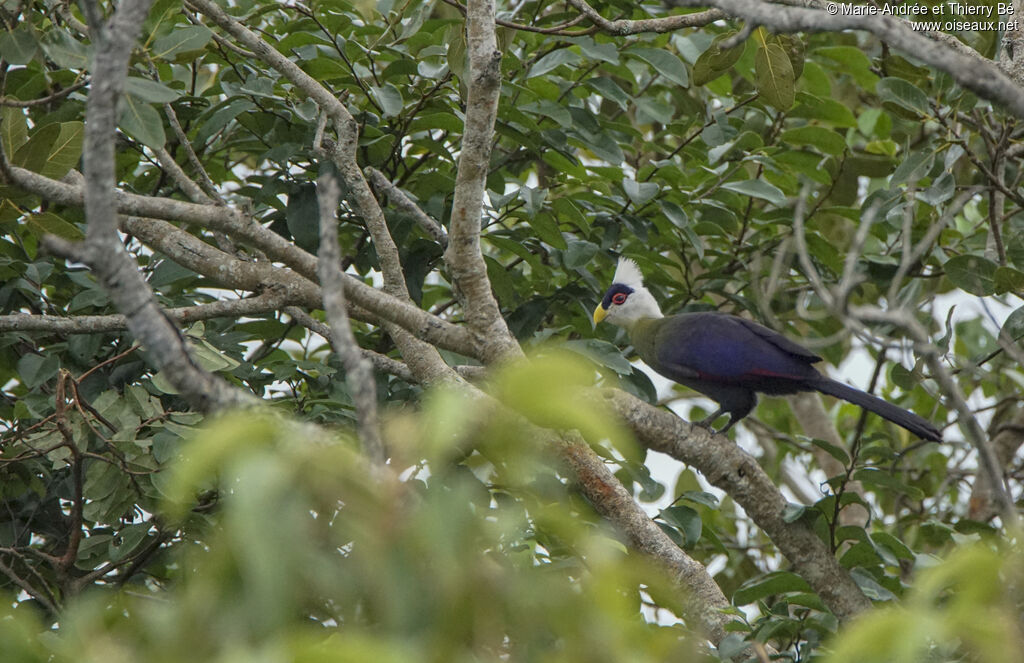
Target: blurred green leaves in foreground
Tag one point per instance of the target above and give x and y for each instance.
(471, 547)
(479, 551)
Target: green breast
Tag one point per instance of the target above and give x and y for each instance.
(644, 335)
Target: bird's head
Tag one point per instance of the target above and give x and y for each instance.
(627, 300)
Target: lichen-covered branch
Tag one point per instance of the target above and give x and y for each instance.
(265, 302)
(229, 221)
(358, 370)
(102, 250)
(463, 255)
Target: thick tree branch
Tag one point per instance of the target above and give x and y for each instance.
(362, 386)
(102, 250)
(625, 27)
(380, 362)
(270, 300)
(422, 358)
(398, 198)
(730, 468)
(463, 255)
(420, 323)
(615, 503)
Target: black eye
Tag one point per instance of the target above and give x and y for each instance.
(619, 298)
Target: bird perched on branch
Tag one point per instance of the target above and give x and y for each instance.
(727, 358)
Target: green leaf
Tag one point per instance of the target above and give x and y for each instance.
(850, 60)
(667, 64)
(1008, 279)
(610, 90)
(973, 274)
(606, 52)
(885, 482)
(773, 76)
(389, 99)
(793, 512)
(143, 123)
(34, 154)
(715, 61)
(777, 582)
(836, 452)
(149, 91)
(825, 140)
(686, 520)
(547, 229)
(758, 189)
(639, 192)
(13, 129)
(48, 223)
(181, 40)
(579, 253)
(35, 369)
(20, 45)
(602, 353)
(1013, 328)
(904, 94)
(870, 586)
(302, 216)
(65, 151)
(553, 60)
(65, 51)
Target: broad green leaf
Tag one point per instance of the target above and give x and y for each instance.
(181, 40)
(602, 353)
(65, 50)
(850, 60)
(20, 45)
(972, 274)
(904, 94)
(553, 60)
(685, 519)
(640, 192)
(836, 452)
(579, 253)
(715, 61)
(48, 223)
(546, 228)
(665, 63)
(302, 217)
(13, 129)
(142, 122)
(388, 98)
(774, 76)
(65, 151)
(35, 369)
(828, 110)
(758, 189)
(886, 482)
(823, 139)
(610, 90)
(149, 91)
(1009, 280)
(776, 582)
(1013, 328)
(35, 153)
(606, 52)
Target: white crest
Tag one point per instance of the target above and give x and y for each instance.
(627, 273)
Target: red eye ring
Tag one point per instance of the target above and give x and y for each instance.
(619, 298)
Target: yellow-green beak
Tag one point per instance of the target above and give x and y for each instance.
(599, 314)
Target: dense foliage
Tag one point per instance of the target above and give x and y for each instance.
(691, 152)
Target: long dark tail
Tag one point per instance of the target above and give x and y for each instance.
(897, 415)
